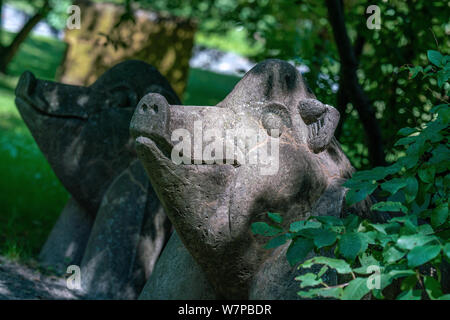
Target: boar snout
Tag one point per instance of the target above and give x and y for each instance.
(151, 119)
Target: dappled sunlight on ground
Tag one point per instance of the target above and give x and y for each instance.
(22, 282)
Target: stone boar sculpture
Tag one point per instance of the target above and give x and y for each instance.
(214, 187)
(113, 225)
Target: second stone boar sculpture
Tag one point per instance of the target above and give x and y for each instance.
(113, 225)
(212, 204)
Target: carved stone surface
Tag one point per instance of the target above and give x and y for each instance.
(84, 131)
(212, 205)
(120, 256)
(84, 134)
(68, 238)
(177, 276)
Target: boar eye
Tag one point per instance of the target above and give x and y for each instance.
(275, 116)
(123, 97)
(120, 99)
(271, 121)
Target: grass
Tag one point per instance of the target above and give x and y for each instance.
(31, 196)
(235, 40)
(207, 88)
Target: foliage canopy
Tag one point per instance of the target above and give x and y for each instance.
(413, 247)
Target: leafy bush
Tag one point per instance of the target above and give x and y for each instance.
(411, 248)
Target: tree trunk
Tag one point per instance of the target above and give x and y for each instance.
(342, 98)
(352, 87)
(7, 53)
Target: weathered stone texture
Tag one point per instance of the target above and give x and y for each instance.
(84, 134)
(212, 205)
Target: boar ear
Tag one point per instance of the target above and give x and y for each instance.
(321, 120)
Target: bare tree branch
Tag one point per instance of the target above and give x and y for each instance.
(7, 53)
(353, 89)
(342, 98)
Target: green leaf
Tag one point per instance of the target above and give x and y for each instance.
(410, 160)
(385, 281)
(433, 129)
(387, 278)
(414, 71)
(378, 294)
(351, 222)
(299, 225)
(276, 217)
(392, 186)
(322, 271)
(381, 227)
(356, 289)
(405, 219)
(439, 107)
(310, 233)
(428, 68)
(298, 250)
(387, 239)
(368, 260)
(443, 181)
(427, 174)
(432, 287)
(406, 131)
(441, 154)
(361, 270)
(408, 242)
(443, 112)
(329, 220)
(367, 269)
(409, 224)
(308, 280)
(392, 254)
(350, 245)
(394, 274)
(339, 265)
(392, 169)
(439, 215)
(442, 77)
(444, 297)
(420, 255)
(411, 188)
(405, 141)
(370, 237)
(264, 229)
(322, 292)
(354, 196)
(409, 283)
(373, 174)
(425, 229)
(276, 242)
(410, 295)
(324, 238)
(354, 183)
(447, 249)
(390, 206)
(435, 57)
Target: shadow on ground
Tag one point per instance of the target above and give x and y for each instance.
(22, 282)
